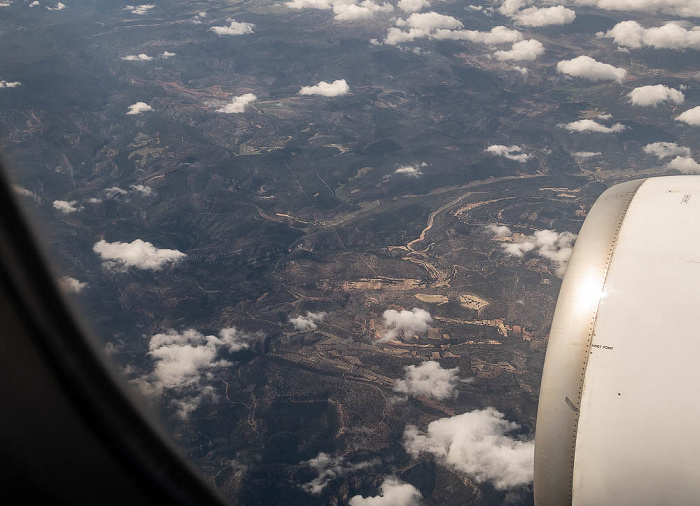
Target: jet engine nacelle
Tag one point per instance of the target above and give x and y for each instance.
(619, 411)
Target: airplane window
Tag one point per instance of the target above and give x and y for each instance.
(324, 239)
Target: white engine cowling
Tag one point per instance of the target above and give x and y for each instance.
(619, 405)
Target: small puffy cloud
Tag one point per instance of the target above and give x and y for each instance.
(137, 57)
(66, 207)
(72, 285)
(139, 10)
(167, 54)
(9, 84)
(138, 108)
(183, 362)
(238, 104)
(146, 191)
(590, 69)
(589, 125)
(511, 7)
(329, 468)
(535, 16)
(35, 3)
(350, 10)
(525, 50)
(654, 95)
(59, 7)
(549, 244)
(94, 200)
(392, 492)
(666, 149)
(138, 254)
(428, 379)
(683, 8)
(509, 152)
(307, 322)
(684, 164)
(234, 28)
(411, 170)
(522, 70)
(336, 88)
(442, 27)
(5, 4)
(632, 35)
(586, 154)
(477, 444)
(413, 5)
(691, 116)
(115, 192)
(405, 323)
(197, 19)
(499, 230)
(309, 4)
(24, 192)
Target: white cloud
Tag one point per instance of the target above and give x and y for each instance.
(509, 152)
(589, 125)
(349, 10)
(137, 57)
(691, 116)
(442, 27)
(604, 115)
(9, 84)
(183, 361)
(405, 323)
(235, 28)
(114, 191)
(139, 10)
(345, 10)
(138, 108)
(197, 19)
(498, 230)
(66, 207)
(428, 379)
(476, 443)
(24, 192)
(238, 104)
(5, 4)
(392, 492)
(94, 200)
(72, 285)
(535, 16)
(588, 68)
(329, 468)
(309, 4)
(411, 170)
(336, 88)
(146, 191)
(522, 70)
(683, 8)
(684, 164)
(554, 246)
(666, 149)
(525, 50)
(307, 322)
(167, 54)
(631, 34)
(586, 154)
(413, 5)
(35, 3)
(511, 7)
(497, 35)
(138, 254)
(59, 7)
